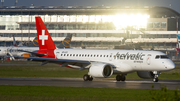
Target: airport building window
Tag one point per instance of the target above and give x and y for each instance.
(163, 24)
(156, 24)
(150, 25)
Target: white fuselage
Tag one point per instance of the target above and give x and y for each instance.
(14, 50)
(122, 60)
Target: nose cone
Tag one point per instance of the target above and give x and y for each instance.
(171, 65)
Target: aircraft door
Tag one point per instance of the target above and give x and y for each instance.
(58, 55)
(148, 59)
(110, 56)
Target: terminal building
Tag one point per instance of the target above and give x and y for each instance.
(102, 27)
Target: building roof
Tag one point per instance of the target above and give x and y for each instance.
(154, 12)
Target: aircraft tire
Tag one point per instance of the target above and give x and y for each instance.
(118, 78)
(90, 78)
(155, 79)
(123, 78)
(86, 77)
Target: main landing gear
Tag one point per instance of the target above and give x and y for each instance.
(120, 77)
(87, 77)
(156, 74)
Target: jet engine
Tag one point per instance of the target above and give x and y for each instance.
(145, 74)
(100, 70)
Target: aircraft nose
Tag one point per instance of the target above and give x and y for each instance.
(171, 65)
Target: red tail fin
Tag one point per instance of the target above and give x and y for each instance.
(44, 38)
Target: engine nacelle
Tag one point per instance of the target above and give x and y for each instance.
(145, 74)
(100, 70)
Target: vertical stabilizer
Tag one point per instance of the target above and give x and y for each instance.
(66, 42)
(44, 38)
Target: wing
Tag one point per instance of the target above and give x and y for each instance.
(64, 62)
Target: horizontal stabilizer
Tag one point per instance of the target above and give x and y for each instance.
(34, 53)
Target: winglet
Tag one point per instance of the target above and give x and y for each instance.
(44, 38)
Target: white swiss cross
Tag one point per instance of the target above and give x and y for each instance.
(43, 37)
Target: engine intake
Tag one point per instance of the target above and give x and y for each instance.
(100, 70)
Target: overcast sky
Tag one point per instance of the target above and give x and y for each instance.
(174, 4)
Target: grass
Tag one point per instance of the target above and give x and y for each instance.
(33, 69)
(46, 93)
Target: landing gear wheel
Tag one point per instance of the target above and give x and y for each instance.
(118, 78)
(155, 79)
(123, 78)
(90, 78)
(86, 77)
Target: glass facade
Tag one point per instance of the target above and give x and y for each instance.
(71, 22)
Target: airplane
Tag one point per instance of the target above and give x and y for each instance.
(33, 46)
(177, 44)
(101, 63)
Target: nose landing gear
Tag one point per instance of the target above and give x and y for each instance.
(156, 74)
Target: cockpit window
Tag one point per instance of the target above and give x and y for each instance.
(164, 57)
(157, 57)
(161, 57)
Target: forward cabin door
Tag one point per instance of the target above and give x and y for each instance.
(148, 60)
(58, 55)
(110, 56)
